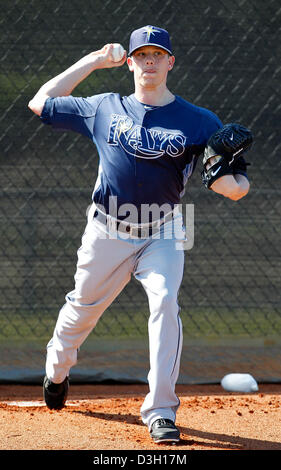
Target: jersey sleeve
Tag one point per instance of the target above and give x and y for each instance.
(210, 124)
(71, 113)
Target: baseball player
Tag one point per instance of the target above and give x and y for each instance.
(148, 145)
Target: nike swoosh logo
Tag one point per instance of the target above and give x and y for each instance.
(231, 137)
(216, 171)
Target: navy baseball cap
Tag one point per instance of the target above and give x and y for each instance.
(150, 36)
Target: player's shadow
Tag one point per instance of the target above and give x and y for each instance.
(194, 437)
(121, 418)
(224, 441)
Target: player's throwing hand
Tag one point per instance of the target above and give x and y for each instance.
(105, 58)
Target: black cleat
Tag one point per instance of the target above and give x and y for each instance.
(164, 430)
(55, 394)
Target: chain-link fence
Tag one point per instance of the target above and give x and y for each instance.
(228, 60)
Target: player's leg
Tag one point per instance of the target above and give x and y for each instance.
(103, 269)
(160, 270)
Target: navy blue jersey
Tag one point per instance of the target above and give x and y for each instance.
(146, 153)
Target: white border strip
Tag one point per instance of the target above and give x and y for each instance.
(38, 403)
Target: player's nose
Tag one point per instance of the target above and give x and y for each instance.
(150, 59)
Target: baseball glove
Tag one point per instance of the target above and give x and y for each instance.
(223, 153)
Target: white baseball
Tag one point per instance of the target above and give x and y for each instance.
(117, 52)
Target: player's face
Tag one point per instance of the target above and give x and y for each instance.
(150, 65)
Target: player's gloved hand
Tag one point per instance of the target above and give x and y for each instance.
(223, 153)
(239, 165)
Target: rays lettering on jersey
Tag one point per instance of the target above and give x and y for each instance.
(144, 143)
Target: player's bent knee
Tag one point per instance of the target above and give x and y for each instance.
(166, 304)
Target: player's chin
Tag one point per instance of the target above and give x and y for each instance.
(150, 80)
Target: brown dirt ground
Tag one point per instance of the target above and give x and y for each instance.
(103, 417)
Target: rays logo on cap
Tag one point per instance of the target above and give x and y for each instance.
(150, 30)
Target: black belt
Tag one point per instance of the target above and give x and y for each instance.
(134, 230)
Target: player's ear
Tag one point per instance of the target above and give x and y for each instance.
(130, 64)
(171, 61)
